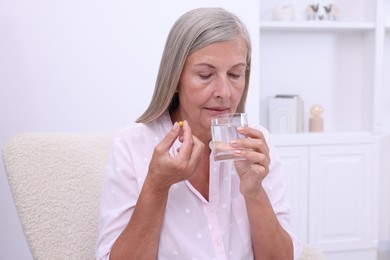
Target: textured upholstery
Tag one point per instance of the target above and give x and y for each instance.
(55, 180)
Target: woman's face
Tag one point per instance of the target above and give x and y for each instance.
(212, 83)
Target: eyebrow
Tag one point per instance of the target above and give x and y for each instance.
(213, 67)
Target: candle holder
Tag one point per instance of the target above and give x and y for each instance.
(316, 122)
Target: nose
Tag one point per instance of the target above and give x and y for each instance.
(222, 88)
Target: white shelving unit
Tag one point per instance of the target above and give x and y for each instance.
(324, 67)
(386, 85)
(386, 70)
(331, 63)
(339, 65)
(343, 66)
(315, 26)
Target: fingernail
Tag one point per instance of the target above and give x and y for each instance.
(240, 128)
(233, 142)
(175, 126)
(237, 151)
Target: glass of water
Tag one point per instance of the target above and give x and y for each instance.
(223, 130)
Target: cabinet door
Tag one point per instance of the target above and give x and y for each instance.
(296, 171)
(342, 201)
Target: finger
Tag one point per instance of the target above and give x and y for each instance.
(197, 152)
(167, 142)
(254, 157)
(258, 145)
(187, 142)
(259, 169)
(256, 140)
(250, 132)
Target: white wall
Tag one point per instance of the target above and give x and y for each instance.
(82, 66)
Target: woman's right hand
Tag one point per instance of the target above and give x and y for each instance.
(164, 169)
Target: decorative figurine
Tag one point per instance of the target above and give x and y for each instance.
(312, 11)
(317, 12)
(316, 122)
(332, 11)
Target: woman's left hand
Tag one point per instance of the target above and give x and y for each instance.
(253, 170)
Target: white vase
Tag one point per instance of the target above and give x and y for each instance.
(284, 13)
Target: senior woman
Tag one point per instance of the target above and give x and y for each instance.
(164, 196)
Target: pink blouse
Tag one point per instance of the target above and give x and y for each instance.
(193, 228)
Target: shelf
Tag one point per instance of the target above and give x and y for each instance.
(300, 139)
(315, 26)
(331, 63)
(331, 69)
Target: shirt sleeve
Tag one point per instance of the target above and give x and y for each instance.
(274, 186)
(118, 198)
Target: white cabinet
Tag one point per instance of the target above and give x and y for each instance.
(341, 202)
(332, 189)
(296, 175)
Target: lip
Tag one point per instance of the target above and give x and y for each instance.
(215, 111)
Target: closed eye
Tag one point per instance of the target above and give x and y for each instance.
(235, 75)
(205, 76)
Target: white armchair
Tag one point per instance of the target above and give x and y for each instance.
(55, 180)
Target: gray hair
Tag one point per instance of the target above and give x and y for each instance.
(192, 31)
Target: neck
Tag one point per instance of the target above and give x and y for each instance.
(204, 135)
